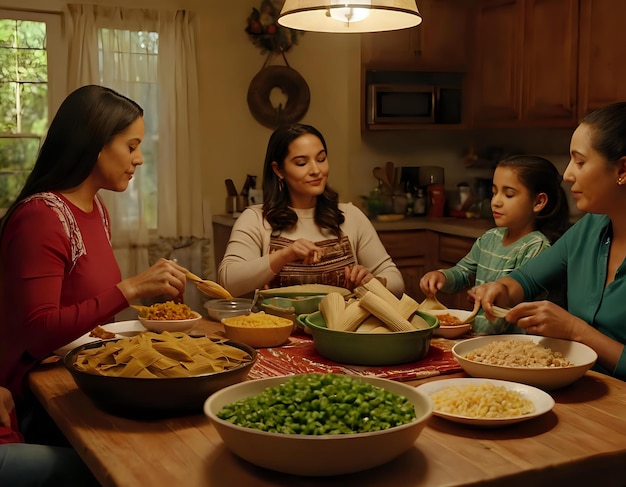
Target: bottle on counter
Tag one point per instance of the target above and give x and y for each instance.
(436, 200)
(419, 205)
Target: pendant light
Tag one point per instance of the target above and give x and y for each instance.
(349, 16)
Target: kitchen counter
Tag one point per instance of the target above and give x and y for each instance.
(461, 227)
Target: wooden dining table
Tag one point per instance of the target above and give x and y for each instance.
(581, 441)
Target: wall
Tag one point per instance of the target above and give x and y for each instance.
(233, 143)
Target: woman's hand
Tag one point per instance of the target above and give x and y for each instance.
(356, 275)
(431, 282)
(164, 277)
(505, 292)
(301, 250)
(547, 319)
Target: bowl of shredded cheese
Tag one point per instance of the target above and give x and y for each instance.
(547, 363)
(168, 316)
(259, 330)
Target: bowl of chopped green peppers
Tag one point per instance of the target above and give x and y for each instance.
(319, 424)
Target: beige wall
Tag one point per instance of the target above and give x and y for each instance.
(233, 143)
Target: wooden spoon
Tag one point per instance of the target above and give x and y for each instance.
(379, 173)
(391, 174)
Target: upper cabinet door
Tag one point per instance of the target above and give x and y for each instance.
(497, 70)
(526, 63)
(602, 71)
(550, 60)
(439, 43)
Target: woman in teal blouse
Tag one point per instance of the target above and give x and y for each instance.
(589, 257)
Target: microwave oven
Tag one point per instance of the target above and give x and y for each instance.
(409, 104)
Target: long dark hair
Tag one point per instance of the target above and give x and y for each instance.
(609, 134)
(86, 121)
(276, 194)
(539, 175)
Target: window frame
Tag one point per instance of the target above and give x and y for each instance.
(56, 52)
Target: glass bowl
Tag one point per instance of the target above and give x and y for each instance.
(218, 309)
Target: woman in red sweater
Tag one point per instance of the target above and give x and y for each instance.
(58, 275)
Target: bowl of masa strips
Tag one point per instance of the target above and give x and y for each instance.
(319, 424)
(157, 374)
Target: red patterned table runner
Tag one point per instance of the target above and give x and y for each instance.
(299, 356)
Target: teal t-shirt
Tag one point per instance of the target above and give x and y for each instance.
(580, 258)
(487, 261)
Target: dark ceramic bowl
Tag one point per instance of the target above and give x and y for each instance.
(141, 397)
(348, 347)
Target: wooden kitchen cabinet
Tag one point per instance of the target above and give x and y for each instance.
(439, 43)
(526, 64)
(602, 69)
(408, 249)
(416, 252)
(449, 250)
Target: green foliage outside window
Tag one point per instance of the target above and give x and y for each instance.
(23, 101)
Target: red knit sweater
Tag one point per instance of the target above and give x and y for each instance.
(58, 281)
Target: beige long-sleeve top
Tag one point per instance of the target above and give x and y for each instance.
(246, 265)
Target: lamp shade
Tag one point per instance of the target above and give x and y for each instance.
(349, 16)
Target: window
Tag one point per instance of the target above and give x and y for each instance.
(129, 59)
(30, 46)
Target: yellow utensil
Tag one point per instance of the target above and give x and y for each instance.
(142, 309)
(207, 287)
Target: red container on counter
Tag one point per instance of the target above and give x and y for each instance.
(436, 200)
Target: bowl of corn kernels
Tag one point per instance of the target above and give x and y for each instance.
(259, 330)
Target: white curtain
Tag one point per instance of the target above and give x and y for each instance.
(172, 101)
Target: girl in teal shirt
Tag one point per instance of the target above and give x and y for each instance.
(590, 257)
(530, 210)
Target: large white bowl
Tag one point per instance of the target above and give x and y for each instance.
(316, 455)
(547, 378)
(159, 326)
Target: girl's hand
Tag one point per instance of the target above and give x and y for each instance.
(355, 275)
(547, 319)
(164, 277)
(432, 282)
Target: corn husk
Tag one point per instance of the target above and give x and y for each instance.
(386, 312)
(368, 324)
(352, 316)
(332, 307)
(210, 288)
(418, 322)
(407, 306)
(431, 303)
(379, 289)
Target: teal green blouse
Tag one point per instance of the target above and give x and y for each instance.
(580, 258)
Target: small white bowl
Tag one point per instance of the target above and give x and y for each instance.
(451, 331)
(547, 378)
(159, 326)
